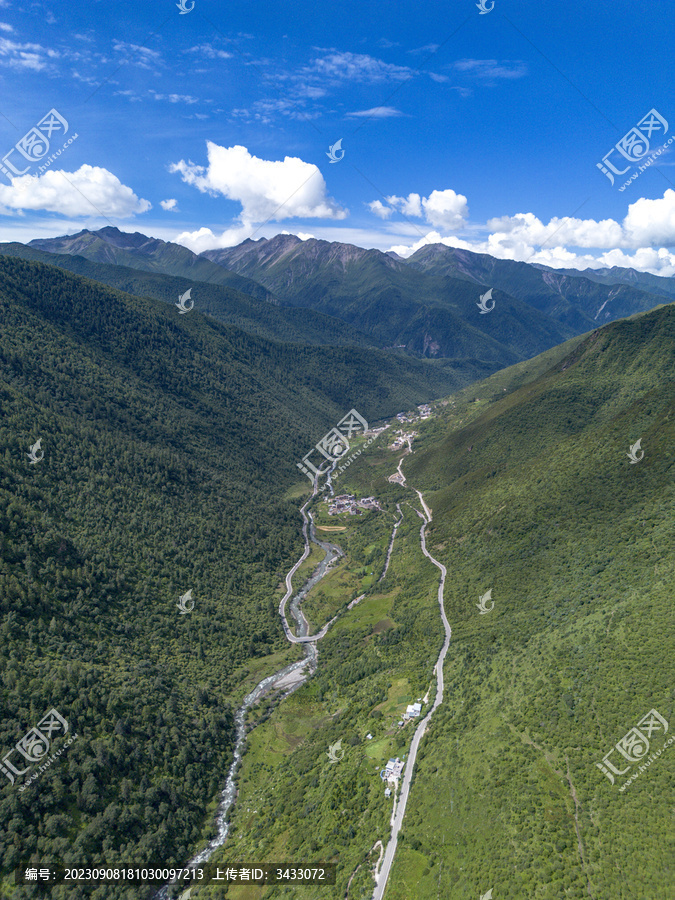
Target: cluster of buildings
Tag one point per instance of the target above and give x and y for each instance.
(404, 438)
(391, 773)
(348, 503)
(423, 412)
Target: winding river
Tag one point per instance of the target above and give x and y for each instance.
(292, 676)
(288, 679)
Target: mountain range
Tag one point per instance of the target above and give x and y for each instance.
(170, 445)
(425, 306)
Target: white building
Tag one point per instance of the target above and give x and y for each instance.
(392, 771)
(413, 710)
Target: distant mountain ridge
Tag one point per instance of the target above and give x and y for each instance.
(572, 297)
(655, 284)
(326, 275)
(137, 251)
(425, 305)
(428, 314)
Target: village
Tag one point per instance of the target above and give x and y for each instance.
(348, 503)
(404, 437)
(423, 412)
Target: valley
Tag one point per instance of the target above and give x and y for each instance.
(337, 451)
(474, 491)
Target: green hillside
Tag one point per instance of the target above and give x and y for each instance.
(170, 443)
(533, 496)
(169, 464)
(257, 316)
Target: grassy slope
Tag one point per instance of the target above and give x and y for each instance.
(577, 545)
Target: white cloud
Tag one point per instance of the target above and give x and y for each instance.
(263, 111)
(428, 48)
(433, 237)
(142, 56)
(380, 210)
(527, 229)
(301, 234)
(5, 27)
(205, 239)
(86, 192)
(210, 52)
(356, 67)
(378, 112)
(442, 209)
(409, 206)
(647, 222)
(168, 204)
(174, 98)
(25, 56)
(491, 68)
(267, 189)
(651, 221)
(642, 240)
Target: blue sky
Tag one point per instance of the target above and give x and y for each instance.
(480, 130)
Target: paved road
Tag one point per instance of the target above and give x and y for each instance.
(397, 819)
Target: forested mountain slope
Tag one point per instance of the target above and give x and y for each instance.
(169, 443)
(261, 317)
